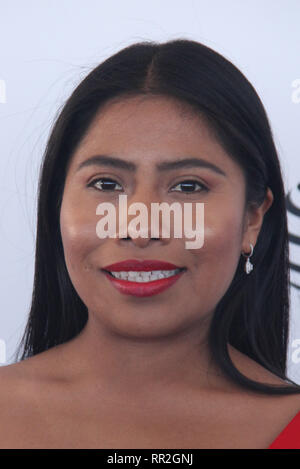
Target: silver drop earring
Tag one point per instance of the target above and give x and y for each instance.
(248, 265)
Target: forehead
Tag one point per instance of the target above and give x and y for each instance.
(146, 129)
(144, 118)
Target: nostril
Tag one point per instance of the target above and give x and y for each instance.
(128, 238)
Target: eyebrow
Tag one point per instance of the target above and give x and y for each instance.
(112, 161)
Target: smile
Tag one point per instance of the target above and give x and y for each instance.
(143, 276)
(143, 283)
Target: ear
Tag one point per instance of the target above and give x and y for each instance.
(254, 220)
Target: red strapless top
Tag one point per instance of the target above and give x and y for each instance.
(289, 437)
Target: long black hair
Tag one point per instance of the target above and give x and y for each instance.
(253, 315)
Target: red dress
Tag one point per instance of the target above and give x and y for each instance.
(289, 437)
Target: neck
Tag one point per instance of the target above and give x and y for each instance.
(135, 364)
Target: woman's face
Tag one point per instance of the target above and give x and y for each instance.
(145, 132)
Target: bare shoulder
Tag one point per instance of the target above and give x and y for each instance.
(14, 381)
(27, 370)
(18, 382)
(24, 388)
(16, 403)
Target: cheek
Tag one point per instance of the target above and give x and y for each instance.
(214, 265)
(78, 233)
(80, 244)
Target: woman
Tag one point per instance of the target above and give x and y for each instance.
(201, 361)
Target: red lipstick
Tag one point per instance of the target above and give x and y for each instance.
(142, 289)
(136, 265)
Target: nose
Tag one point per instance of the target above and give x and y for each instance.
(139, 219)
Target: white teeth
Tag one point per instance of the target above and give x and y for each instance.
(143, 276)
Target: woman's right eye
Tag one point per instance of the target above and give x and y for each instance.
(106, 184)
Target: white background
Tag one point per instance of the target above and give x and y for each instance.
(46, 49)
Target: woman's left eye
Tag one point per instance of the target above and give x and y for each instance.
(106, 184)
(189, 185)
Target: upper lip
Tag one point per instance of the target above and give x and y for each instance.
(136, 265)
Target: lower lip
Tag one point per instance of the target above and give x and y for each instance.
(143, 289)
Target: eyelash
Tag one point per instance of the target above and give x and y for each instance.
(190, 181)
